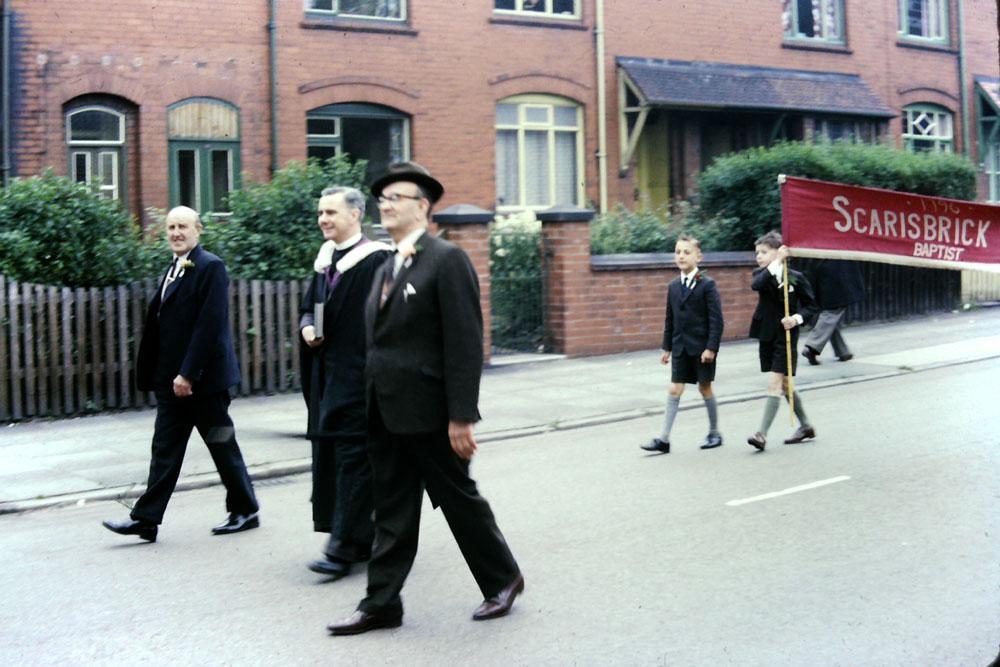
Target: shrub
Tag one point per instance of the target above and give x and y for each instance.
(55, 231)
(739, 193)
(622, 231)
(272, 231)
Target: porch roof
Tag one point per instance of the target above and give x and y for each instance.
(717, 86)
(989, 86)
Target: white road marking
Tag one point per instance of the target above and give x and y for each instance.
(785, 492)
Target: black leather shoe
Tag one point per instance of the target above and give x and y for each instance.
(811, 354)
(846, 357)
(236, 523)
(711, 441)
(757, 441)
(361, 621)
(499, 605)
(144, 529)
(657, 445)
(801, 434)
(331, 568)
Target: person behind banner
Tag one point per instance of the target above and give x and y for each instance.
(768, 326)
(692, 331)
(839, 284)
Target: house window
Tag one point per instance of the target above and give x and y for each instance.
(927, 128)
(95, 137)
(821, 20)
(367, 9)
(563, 9)
(539, 152)
(378, 134)
(924, 19)
(989, 136)
(849, 130)
(204, 144)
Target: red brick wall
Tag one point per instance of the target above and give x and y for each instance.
(474, 239)
(593, 312)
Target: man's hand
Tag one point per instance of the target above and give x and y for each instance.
(665, 357)
(789, 322)
(463, 439)
(708, 356)
(182, 387)
(309, 336)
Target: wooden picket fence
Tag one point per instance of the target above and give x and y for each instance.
(68, 351)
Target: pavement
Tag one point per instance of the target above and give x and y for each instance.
(46, 463)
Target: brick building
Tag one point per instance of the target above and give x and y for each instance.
(512, 103)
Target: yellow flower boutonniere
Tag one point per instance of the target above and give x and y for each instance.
(187, 264)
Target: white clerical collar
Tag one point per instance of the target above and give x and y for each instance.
(349, 242)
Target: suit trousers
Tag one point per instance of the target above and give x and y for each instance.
(403, 466)
(827, 329)
(342, 497)
(175, 419)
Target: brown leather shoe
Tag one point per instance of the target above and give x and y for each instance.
(758, 441)
(361, 621)
(499, 605)
(801, 434)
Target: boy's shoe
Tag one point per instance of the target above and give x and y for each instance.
(712, 440)
(657, 445)
(757, 440)
(812, 355)
(801, 434)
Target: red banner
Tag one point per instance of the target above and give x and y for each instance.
(821, 219)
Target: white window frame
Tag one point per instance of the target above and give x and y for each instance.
(523, 104)
(548, 13)
(335, 11)
(105, 189)
(790, 19)
(79, 142)
(86, 167)
(944, 142)
(939, 19)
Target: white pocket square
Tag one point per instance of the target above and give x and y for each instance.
(408, 290)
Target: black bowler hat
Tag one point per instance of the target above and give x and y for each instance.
(413, 173)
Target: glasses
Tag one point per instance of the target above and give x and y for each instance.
(396, 198)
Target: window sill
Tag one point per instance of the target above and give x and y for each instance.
(925, 46)
(531, 22)
(816, 45)
(358, 25)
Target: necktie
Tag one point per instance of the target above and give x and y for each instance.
(390, 278)
(171, 276)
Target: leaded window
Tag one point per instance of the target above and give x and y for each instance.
(538, 152)
(928, 128)
(821, 20)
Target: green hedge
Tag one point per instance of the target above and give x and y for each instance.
(740, 200)
(54, 231)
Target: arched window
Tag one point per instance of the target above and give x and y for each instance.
(927, 127)
(204, 138)
(539, 152)
(95, 136)
(370, 132)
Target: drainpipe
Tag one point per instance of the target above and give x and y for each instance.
(963, 88)
(5, 95)
(272, 54)
(602, 120)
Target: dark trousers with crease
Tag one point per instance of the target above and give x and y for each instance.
(403, 466)
(342, 497)
(175, 419)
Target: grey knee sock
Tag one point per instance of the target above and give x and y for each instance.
(799, 410)
(673, 403)
(770, 409)
(713, 415)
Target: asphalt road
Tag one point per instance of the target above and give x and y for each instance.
(692, 558)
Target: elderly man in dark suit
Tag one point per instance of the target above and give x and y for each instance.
(838, 284)
(425, 359)
(186, 357)
(333, 330)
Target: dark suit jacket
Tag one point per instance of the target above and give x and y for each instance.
(425, 345)
(333, 381)
(838, 283)
(766, 322)
(693, 322)
(187, 333)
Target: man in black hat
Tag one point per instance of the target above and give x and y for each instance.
(425, 358)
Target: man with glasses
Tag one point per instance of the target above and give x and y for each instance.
(425, 358)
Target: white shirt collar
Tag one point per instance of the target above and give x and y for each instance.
(411, 238)
(181, 258)
(349, 242)
(689, 276)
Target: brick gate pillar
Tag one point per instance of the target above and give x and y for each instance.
(468, 227)
(566, 247)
